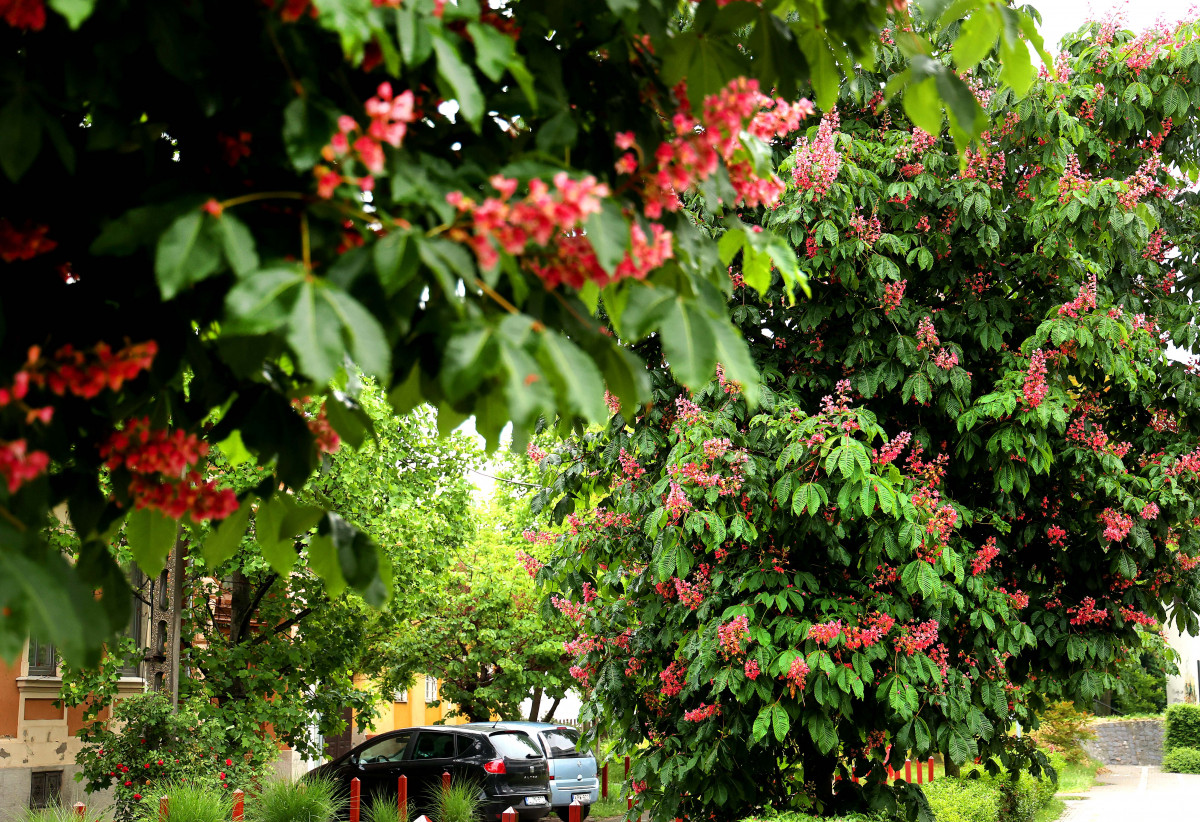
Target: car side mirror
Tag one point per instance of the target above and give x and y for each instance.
(354, 759)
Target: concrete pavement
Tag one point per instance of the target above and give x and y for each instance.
(1137, 793)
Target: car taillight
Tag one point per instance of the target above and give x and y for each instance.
(495, 766)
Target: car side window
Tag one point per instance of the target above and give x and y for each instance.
(434, 745)
(469, 746)
(390, 749)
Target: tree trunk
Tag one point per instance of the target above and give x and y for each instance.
(535, 702)
(951, 768)
(818, 770)
(553, 707)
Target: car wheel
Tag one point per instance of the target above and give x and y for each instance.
(564, 812)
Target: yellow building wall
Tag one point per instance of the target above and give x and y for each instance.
(413, 712)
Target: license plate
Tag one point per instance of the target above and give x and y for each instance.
(582, 798)
(535, 800)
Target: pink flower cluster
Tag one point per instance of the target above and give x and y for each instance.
(716, 447)
(19, 465)
(677, 502)
(984, 556)
(1073, 179)
(390, 115)
(1034, 388)
(872, 630)
(796, 674)
(867, 229)
(631, 469)
(573, 611)
(751, 669)
(702, 713)
(817, 162)
(892, 449)
(529, 562)
(1142, 183)
(576, 263)
(1131, 614)
(1057, 535)
(1150, 511)
(893, 293)
(945, 359)
(687, 411)
(825, 633)
(1084, 301)
(918, 638)
(926, 334)
(673, 678)
(1087, 612)
(1116, 524)
(732, 634)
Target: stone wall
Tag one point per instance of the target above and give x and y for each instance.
(1127, 742)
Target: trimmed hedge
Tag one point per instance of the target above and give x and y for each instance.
(1182, 727)
(1181, 760)
(980, 797)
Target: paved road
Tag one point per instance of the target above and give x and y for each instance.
(1132, 793)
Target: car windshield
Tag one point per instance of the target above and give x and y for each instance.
(515, 745)
(562, 742)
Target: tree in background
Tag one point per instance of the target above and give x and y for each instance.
(968, 477)
(272, 651)
(480, 627)
(209, 208)
(1143, 674)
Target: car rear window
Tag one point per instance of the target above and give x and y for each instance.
(562, 742)
(515, 745)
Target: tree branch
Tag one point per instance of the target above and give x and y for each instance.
(281, 627)
(254, 603)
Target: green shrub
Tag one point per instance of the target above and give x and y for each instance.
(1181, 760)
(1182, 727)
(188, 802)
(315, 799)
(963, 800)
(1062, 728)
(458, 803)
(386, 809)
(54, 814)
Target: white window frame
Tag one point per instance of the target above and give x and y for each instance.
(431, 688)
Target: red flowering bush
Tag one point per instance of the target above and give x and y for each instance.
(921, 548)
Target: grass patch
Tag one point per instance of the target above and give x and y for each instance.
(1052, 811)
(1073, 778)
(608, 808)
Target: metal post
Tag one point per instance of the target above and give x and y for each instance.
(508, 816)
(931, 769)
(355, 798)
(239, 805)
(80, 809)
(908, 770)
(573, 811)
(445, 780)
(176, 615)
(627, 767)
(402, 796)
(164, 808)
(604, 782)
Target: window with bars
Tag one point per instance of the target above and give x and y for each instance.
(45, 789)
(43, 660)
(402, 695)
(133, 665)
(431, 689)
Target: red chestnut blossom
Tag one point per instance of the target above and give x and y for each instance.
(1057, 535)
(23, 243)
(874, 628)
(18, 465)
(818, 162)
(918, 638)
(824, 633)
(796, 674)
(1116, 524)
(24, 14)
(702, 713)
(751, 669)
(1034, 388)
(1087, 612)
(984, 556)
(893, 293)
(328, 441)
(892, 449)
(732, 634)
(673, 678)
(926, 334)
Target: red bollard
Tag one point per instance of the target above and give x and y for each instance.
(931, 769)
(80, 809)
(908, 770)
(239, 805)
(402, 796)
(164, 807)
(508, 816)
(604, 781)
(355, 798)
(446, 780)
(573, 811)
(920, 770)
(626, 767)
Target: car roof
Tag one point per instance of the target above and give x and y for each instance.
(519, 724)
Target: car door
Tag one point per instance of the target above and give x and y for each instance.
(380, 762)
(431, 755)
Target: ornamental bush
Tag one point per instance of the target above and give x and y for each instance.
(1182, 727)
(969, 473)
(963, 800)
(1064, 728)
(1182, 760)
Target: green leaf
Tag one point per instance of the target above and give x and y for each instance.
(20, 135)
(364, 335)
(762, 723)
(262, 301)
(186, 253)
(459, 77)
(688, 343)
(224, 539)
(608, 232)
(326, 324)
(976, 38)
(238, 244)
(923, 106)
(307, 127)
(395, 260)
(493, 50)
(150, 535)
(75, 11)
(1016, 68)
(278, 549)
(823, 70)
(733, 354)
(413, 34)
(574, 376)
(323, 559)
(779, 722)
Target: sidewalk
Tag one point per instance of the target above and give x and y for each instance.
(1131, 793)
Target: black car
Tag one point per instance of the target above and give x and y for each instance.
(507, 765)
